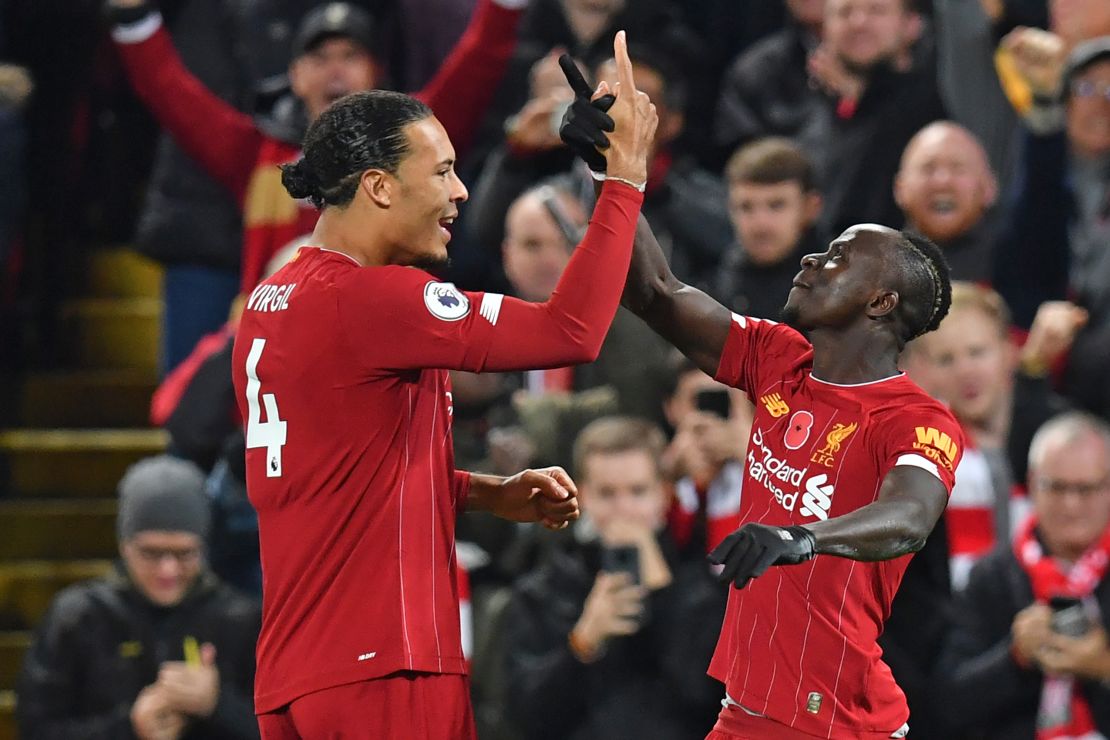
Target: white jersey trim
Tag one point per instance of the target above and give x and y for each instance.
(491, 307)
(856, 385)
(919, 461)
(139, 31)
(334, 251)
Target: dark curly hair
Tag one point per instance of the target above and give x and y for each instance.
(358, 132)
(926, 289)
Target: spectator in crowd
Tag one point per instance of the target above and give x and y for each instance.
(705, 459)
(189, 222)
(529, 152)
(1054, 244)
(542, 227)
(685, 204)
(946, 190)
(766, 90)
(1029, 656)
(879, 83)
(1000, 394)
(773, 203)
(334, 54)
(596, 649)
(160, 648)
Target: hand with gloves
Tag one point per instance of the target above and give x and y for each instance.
(748, 552)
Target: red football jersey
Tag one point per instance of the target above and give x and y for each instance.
(798, 644)
(340, 374)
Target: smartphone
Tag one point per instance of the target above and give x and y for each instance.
(624, 559)
(1068, 616)
(715, 401)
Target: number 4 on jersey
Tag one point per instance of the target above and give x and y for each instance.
(270, 433)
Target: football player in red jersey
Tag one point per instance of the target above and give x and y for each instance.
(340, 367)
(849, 465)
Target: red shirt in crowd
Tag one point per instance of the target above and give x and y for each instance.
(234, 151)
(798, 644)
(341, 373)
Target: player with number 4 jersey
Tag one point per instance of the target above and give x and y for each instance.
(340, 367)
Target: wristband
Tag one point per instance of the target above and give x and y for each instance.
(601, 177)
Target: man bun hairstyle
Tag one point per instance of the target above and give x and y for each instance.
(927, 285)
(359, 132)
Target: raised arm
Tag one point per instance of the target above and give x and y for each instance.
(465, 83)
(223, 140)
(684, 316)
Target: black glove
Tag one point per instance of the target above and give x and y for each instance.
(748, 552)
(585, 122)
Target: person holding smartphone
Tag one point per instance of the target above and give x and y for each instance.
(704, 458)
(606, 639)
(1029, 655)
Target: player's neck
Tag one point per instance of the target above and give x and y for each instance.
(342, 230)
(847, 358)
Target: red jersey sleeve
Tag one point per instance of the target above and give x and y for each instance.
(460, 486)
(462, 88)
(222, 139)
(757, 351)
(923, 435)
(398, 318)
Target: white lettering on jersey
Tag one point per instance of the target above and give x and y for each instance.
(445, 301)
(270, 298)
(785, 482)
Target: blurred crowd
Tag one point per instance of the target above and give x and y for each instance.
(982, 124)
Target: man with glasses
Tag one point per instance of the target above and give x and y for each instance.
(1054, 242)
(159, 649)
(1029, 655)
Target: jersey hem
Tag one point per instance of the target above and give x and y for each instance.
(273, 700)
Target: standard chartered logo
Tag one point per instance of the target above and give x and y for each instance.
(817, 499)
(784, 481)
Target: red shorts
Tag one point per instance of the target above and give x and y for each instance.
(405, 706)
(733, 723)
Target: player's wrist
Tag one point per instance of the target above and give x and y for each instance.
(805, 544)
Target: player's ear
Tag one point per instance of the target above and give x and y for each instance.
(379, 187)
(882, 303)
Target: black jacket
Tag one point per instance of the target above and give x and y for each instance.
(648, 685)
(984, 692)
(760, 290)
(858, 156)
(101, 643)
(766, 92)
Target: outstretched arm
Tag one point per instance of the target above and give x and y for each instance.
(910, 503)
(684, 316)
(897, 523)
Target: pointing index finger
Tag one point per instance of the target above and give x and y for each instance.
(574, 77)
(624, 64)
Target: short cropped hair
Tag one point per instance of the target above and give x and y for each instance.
(613, 435)
(770, 161)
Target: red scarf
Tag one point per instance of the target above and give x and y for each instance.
(1063, 712)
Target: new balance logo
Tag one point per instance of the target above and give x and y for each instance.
(366, 656)
(775, 406)
(817, 500)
